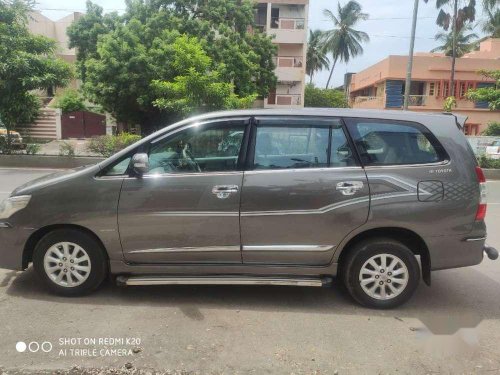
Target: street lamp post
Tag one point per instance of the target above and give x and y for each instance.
(410, 56)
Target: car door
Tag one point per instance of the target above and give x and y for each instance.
(186, 208)
(303, 191)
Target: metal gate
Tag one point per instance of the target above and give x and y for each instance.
(82, 124)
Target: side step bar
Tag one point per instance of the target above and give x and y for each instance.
(221, 280)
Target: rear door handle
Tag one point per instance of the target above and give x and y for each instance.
(224, 191)
(349, 187)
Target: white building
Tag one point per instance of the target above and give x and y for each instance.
(286, 22)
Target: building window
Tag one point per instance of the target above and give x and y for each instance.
(446, 89)
(462, 89)
(432, 88)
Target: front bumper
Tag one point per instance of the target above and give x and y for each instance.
(12, 241)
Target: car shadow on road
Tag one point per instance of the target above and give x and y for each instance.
(459, 298)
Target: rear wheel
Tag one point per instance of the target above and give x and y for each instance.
(381, 273)
(70, 262)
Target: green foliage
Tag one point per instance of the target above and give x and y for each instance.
(486, 162)
(27, 63)
(66, 149)
(493, 129)
(32, 148)
(316, 59)
(343, 41)
(154, 42)
(70, 101)
(107, 145)
(491, 25)
(487, 94)
(449, 103)
(316, 97)
(464, 42)
(84, 33)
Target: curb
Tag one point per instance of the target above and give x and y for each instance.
(491, 174)
(49, 162)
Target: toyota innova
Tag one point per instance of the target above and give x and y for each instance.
(377, 199)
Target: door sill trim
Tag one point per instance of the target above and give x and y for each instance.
(221, 280)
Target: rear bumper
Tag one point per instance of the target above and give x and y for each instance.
(12, 241)
(453, 252)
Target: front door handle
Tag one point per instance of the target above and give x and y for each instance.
(224, 191)
(349, 187)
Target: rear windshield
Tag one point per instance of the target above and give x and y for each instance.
(388, 142)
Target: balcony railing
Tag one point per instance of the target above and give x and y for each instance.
(284, 99)
(287, 23)
(417, 100)
(289, 61)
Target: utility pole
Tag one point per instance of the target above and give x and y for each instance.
(410, 56)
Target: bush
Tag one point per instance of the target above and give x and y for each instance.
(66, 149)
(493, 129)
(32, 148)
(486, 162)
(316, 97)
(70, 101)
(107, 145)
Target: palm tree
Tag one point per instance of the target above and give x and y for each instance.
(457, 19)
(343, 41)
(491, 25)
(463, 42)
(316, 54)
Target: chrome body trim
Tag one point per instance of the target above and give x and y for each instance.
(475, 239)
(5, 225)
(229, 280)
(186, 249)
(288, 247)
(195, 213)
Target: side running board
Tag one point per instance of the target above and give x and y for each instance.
(218, 280)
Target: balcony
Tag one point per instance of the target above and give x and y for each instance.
(286, 100)
(289, 68)
(288, 30)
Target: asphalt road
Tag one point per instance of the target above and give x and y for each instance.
(451, 327)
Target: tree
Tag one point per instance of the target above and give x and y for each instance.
(487, 94)
(493, 129)
(457, 18)
(326, 98)
(85, 31)
(464, 42)
(343, 41)
(27, 63)
(491, 25)
(131, 55)
(316, 59)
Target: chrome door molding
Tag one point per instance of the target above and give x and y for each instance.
(187, 249)
(288, 247)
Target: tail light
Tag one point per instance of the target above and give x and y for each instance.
(481, 209)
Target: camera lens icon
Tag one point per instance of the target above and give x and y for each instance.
(21, 346)
(34, 346)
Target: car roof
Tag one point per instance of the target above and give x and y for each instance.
(326, 112)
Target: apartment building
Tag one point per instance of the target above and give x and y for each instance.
(286, 22)
(382, 85)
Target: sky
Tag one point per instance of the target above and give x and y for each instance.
(389, 27)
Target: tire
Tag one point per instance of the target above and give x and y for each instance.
(398, 282)
(70, 262)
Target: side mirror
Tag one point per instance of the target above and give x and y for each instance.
(140, 163)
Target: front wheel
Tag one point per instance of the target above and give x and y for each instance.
(70, 262)
(381, 273)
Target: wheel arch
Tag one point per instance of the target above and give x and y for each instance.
(408, 237)
(36, 236)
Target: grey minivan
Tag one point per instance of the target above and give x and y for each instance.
(280, 197)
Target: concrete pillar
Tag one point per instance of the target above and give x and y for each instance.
(58, 113)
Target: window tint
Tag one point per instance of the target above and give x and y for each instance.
(208, 148)
(278, 146)
(118, 168)
(382, 142)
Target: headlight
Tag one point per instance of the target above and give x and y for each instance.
(13, 204)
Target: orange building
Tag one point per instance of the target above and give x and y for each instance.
(382, 85)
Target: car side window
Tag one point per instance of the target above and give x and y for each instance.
(387, 142)
(204, 148)
(304, 143)
(119, 167)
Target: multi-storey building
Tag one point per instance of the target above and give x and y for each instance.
(382, 85)
(286, 22)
